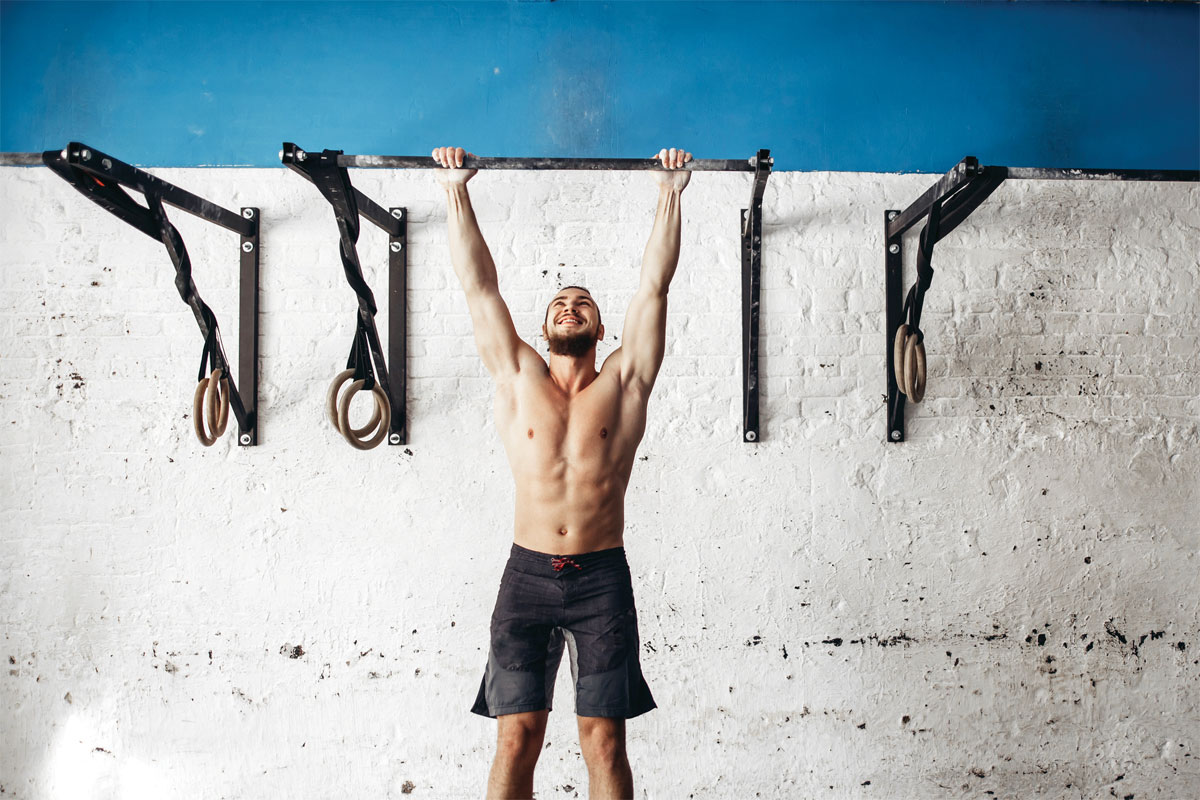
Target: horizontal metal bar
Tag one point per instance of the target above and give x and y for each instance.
(488, 162)
(1045, 174)
(21, 160)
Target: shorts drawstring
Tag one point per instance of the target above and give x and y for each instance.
(559, 562)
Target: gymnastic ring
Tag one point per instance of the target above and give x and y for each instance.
(906, 385)
(331, 406)
(381, 404)
(198, 414)
(914, 368)
(898, 355)
(217, 402)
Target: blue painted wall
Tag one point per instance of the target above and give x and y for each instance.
(838, 85)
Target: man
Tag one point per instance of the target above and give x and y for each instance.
(570, 433)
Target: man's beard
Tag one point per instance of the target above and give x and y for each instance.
(572, 346)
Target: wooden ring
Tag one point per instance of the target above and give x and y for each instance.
(381, 405)
(908, 367)
(198, 414)
(919, 375)
(331, 397)
(331, 406)
(914, 369)
(898, 355)
(217, 398)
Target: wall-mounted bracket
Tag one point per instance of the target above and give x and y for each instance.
(366, 356)
(99, 177)
(945, 205)
(751, 228)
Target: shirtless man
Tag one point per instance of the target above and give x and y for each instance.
(570, 433)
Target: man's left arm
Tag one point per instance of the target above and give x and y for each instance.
(643, 341)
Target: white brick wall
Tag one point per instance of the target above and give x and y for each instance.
(822, 615)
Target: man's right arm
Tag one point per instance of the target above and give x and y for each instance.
(500, 348)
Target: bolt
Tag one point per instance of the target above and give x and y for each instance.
(86, 155)
(64, 154)
(751, 436)
(245, 438)
(891, 215)
(107, 164)
(281, 155)
(771, 160)
(895, 436)
(394, 438)
(893, 249)
(395, 247)
(247, 247)
(248, 213)
(301, 155)
(398, 213)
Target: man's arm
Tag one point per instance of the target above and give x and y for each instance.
(644, 338)
(496, 337)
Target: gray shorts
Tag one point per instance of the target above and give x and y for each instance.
(584, 601)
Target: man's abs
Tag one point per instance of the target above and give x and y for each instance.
(573, 519)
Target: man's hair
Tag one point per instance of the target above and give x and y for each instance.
(599, 320)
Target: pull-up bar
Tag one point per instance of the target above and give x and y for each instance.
(490, 162)
(330, 166)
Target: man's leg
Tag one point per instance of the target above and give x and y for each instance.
(602, 740)
(518, 745)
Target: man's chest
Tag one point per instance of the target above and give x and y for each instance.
(543, 424)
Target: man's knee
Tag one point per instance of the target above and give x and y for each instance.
(602, 740)
(519, 736)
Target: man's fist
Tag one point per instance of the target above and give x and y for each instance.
(673, 177)
(452, 157)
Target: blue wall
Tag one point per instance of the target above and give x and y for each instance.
(839, 85)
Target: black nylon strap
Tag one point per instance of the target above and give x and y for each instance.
(333, 183)
(360, 359)
(915, 302)
(186, 286)
(366, 353)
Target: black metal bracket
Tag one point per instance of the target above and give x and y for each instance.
(944, 206)
(366, 355)
(99, 177)
(751, 227)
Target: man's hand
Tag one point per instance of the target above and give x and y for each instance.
(673, 177)
(452, 157)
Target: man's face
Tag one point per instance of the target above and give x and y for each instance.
(572, 324)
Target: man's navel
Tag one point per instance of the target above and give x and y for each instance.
(530, 434)
(604, 433)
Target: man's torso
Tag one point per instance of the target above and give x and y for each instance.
(571, 457)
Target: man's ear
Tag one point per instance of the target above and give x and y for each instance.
(600, 333)
(544, 336)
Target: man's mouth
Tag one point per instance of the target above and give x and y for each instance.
(568, 320)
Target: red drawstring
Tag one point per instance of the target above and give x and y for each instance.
(558, 562)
